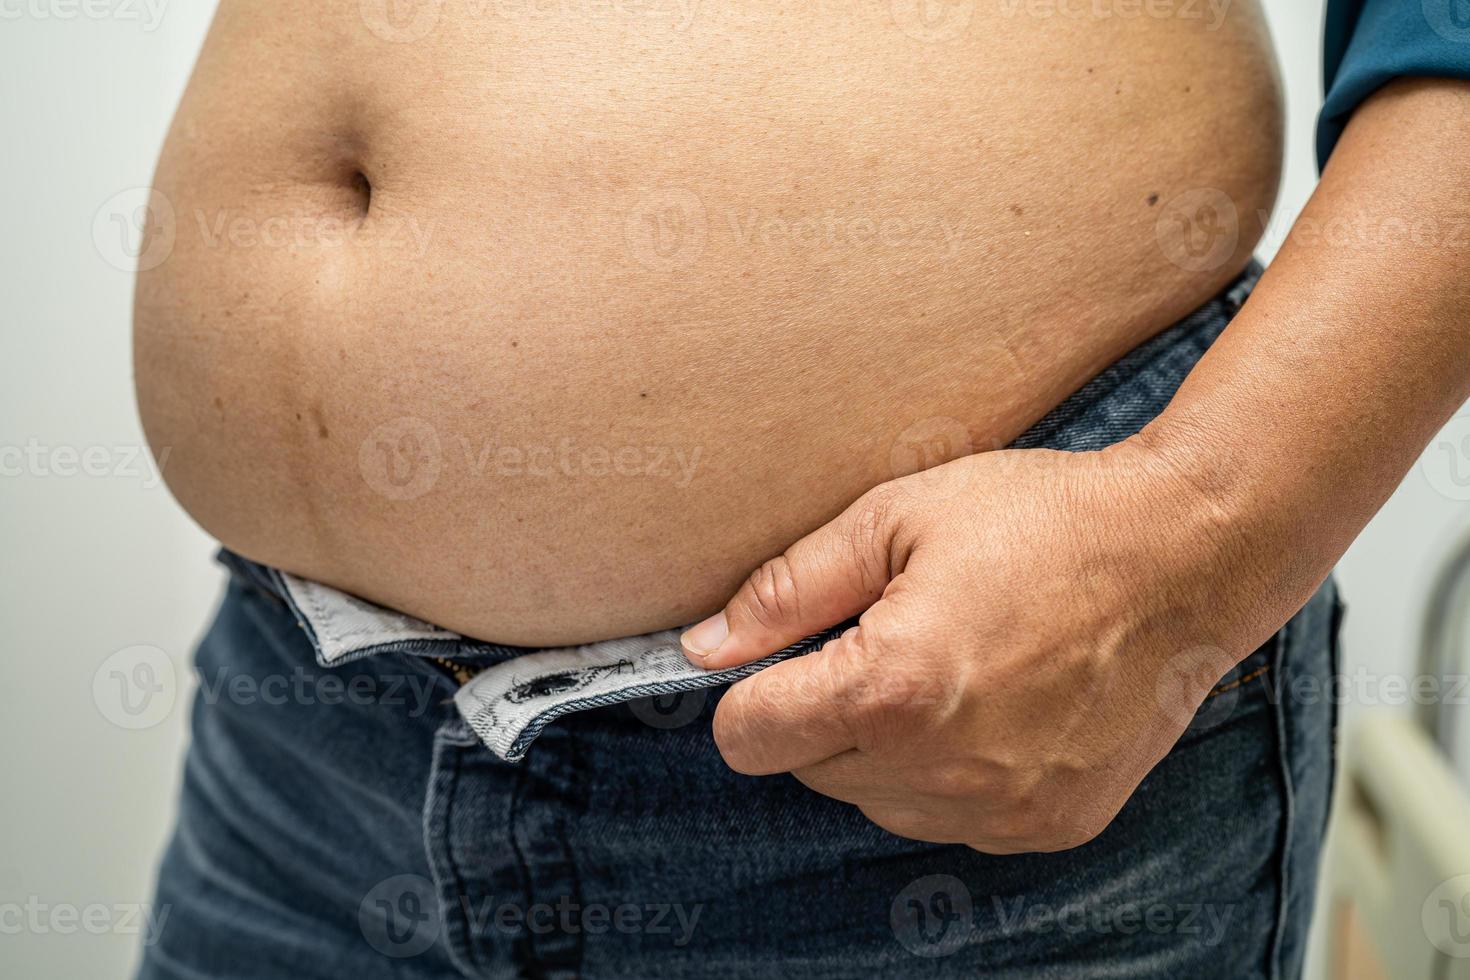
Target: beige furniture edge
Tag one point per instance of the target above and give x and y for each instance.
(1400, 858)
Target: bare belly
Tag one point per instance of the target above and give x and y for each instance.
(548, 321)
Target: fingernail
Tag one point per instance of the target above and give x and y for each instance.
(703, 639)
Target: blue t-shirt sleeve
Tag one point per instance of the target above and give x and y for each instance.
(1370, 42)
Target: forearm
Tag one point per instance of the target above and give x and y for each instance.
(1352, 352)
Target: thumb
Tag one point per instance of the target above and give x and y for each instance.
(832, 574)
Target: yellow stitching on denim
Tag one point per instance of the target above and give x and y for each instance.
(1238, 681)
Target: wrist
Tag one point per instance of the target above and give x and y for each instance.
(1188, 461)
(1253, 525)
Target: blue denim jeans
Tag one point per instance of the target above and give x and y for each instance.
(362, 798)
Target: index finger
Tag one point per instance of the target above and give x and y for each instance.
(791, 714)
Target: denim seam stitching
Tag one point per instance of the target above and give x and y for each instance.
(1288, 808)
(573, 767)
(1337, 613)
(461, 950)
(1238, 682)
(523, 867)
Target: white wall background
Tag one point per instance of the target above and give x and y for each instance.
(97, 564)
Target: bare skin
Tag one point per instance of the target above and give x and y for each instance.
(550, 326)
(1039, 628)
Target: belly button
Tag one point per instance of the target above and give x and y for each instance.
(364, 190)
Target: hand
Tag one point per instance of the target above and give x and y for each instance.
(1040, 629)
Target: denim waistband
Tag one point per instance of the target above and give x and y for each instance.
(520, 690)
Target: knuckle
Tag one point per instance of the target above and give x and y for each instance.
(771, 593)
(960, 779)
(884, 704)
(875, 703)
(867, 532)
(846, 682)
(1018, 790)
(874, 530)
(875, 639)
(884, 677)
(879, 503)
(892, 642)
